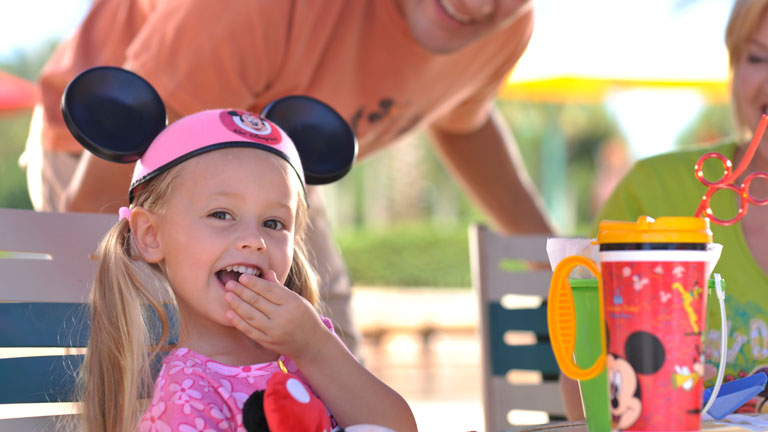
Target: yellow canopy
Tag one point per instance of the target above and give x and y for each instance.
(592, 90)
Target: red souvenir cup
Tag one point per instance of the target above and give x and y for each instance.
(653, 277)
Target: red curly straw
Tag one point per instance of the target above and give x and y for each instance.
(704, 204)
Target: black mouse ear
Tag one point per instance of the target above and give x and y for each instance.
(325, 142)
(254, 419)
(114, 113)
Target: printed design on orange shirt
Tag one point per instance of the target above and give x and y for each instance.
(373, 115)
(251, 127)
(386, 121)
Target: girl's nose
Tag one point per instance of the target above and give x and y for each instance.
(251, 238)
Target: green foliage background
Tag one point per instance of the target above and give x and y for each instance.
(14, 127)
(13, 184)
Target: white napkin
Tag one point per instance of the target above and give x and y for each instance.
(713, 255)
(745, 422)
(559, 248)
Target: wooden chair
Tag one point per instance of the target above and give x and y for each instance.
(518, 366)
(46, 270)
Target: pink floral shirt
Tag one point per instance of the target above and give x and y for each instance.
(195, 393)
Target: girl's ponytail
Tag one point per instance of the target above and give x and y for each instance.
(116, 372)
(302, 278)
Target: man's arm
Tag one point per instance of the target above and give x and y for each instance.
(569, 390)
(98, 186)
(488, 166)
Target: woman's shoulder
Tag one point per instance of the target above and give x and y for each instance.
(691, 154)
(674, 166)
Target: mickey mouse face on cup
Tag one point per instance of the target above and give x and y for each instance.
(118, 116)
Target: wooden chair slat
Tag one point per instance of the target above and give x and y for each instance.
(502, 265)
(44, 325)
(46, 270)
(38, 379)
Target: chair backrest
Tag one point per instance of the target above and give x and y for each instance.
(46, 270)
(519, 368)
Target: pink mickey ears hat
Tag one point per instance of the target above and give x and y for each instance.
(118, 116)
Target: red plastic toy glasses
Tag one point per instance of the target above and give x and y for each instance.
(729, 176)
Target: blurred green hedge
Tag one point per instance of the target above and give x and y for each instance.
(13, 182)
(414, 254)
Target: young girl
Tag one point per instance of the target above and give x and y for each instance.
(217, 212)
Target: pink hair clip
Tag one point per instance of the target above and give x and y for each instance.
(124, 212)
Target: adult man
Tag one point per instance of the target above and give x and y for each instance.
(388, 66)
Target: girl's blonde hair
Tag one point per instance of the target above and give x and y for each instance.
(744, 20)
(126, 302)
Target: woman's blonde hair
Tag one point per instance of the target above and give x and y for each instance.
(744, 20)
(127, 305)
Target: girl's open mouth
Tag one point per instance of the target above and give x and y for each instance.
(232, 273)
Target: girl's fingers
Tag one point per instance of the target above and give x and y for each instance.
(269, 287)
(249, 309)
(247, 329)
(247, 294)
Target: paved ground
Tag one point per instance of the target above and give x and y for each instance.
(440, 378)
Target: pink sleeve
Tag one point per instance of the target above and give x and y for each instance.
(188, 403)
(327, 322)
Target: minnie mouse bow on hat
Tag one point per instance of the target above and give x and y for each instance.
(118, 116)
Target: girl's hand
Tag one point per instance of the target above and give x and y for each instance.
(284, 322)
(274, 316)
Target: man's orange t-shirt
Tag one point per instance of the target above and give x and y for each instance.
(357, 56)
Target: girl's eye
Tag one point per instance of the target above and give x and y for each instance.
(754, 59)
(221, 215)
(274, 224)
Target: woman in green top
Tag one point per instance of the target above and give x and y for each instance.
(665, 185)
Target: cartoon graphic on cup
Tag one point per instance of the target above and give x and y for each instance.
(652, 280)
(645, 355)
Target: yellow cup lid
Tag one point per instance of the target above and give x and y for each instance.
(649, 230)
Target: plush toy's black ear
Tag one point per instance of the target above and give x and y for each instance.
(114, 113)
(325, 142)
(254, 419)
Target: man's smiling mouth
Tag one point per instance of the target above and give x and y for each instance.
(233, 273)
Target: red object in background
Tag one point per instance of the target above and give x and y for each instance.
(16, 93)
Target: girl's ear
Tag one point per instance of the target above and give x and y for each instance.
(144, 231)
